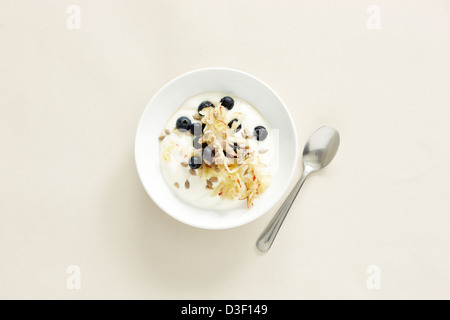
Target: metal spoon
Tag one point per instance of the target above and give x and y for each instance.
(317, 154)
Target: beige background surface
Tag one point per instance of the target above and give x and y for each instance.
(70, 101)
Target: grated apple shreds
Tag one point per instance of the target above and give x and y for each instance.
(243, 176)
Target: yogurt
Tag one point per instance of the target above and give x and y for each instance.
(176, 150)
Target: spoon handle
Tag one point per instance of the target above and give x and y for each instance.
(267, 237)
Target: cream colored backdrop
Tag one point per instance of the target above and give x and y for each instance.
(70, 100)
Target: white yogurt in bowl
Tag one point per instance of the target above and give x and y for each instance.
(238, 124)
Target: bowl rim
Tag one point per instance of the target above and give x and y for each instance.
(186, 74)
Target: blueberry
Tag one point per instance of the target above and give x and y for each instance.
(196, 143)
(208, 154)
(203, 105)
(230, 124)
(195, 162)
(227, 102)
(235, 147)
(228, 156)
(196, 129)
(260, 133)
(183, 124)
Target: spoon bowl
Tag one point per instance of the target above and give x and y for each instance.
(320, 148)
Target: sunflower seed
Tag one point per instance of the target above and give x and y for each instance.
(184, 164)
(210, 188)
(177, 185)
(161, 138)
(217, 169)
(196, 117)
(213, 179)
(187, 184)
(246, 134)
(167, 131)
(209, 183)
(193, 172)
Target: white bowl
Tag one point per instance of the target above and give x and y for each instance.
(169, 98)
